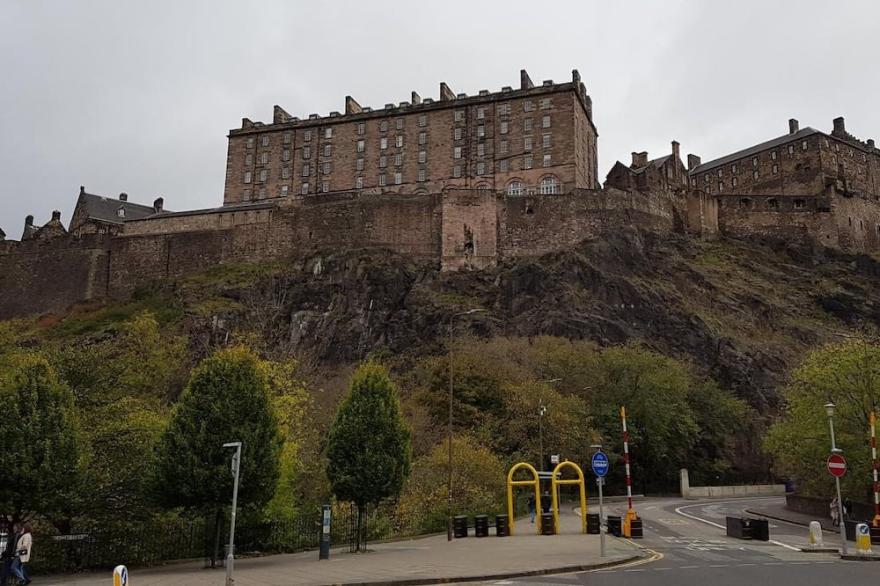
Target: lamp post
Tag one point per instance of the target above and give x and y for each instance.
(829, 410)
(451, 385)
(542, 409)
(230, 556)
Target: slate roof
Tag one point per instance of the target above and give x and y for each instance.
(800, 134)
(655, 162)
(105, 209)
(235, 207)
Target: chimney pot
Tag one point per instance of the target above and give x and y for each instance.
(123, 196)
(56, 216)
(82, 189)
(29, 221)
(839, 126)
(793, 126)
(158, 204)
(870, 143)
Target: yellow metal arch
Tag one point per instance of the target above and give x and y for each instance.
(580, 482)
(535, 482)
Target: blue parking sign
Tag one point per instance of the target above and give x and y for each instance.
(599, 464)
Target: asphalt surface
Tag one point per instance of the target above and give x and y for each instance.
(687, 545)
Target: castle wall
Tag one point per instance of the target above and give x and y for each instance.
(798, 219)
(197, 221)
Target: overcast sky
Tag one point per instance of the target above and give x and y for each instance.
(138, 96)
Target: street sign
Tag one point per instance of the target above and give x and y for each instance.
(836, 465)
(554, 459)
(599, 464)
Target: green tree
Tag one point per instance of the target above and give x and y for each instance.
(847, 374)
(478, 481)
(369, 449)
(40, 458)
(227, 399)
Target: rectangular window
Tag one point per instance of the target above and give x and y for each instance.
(527, 143)
(504, 109)
(382, 180)
(383, 143)
(755, 174)
(285, 155)
(720, 186)
(359, 165)
(326, 168)
(264, 174)
(284, 189)
(327, 148)
(286, 138)
(265, 140)
(481, 131)
(775, 169)
(733, 169)
(528, 106)
(421, 175)
(791, 149)
(304, 189)
(546, 141)
(481, 113)
(481, 149)
(360, 146)
(247, 177)
(247, 195)
(527, 125)
(399, 123)
(325, 186)
(804, 145)
(264, 157)
(504, 164)
(423, 138)
(383, 125)
(754, 161)
(307, 170)
(706, 178)
(456, 171)
(733, 182)
(358, 182)
(249, 160)
(481, 168)
(399, 140)
(398, 160)
(527, 161)
(546, 103)
(307, 152)
(250, 143)
(459, 115)
(502, 146)
(383, 162)
(328, 133)
(398, 178)
(773, 155)
(361, 128)
(262, 193)
(504, 127)
(547, 160)
(456, 134)
(423, 156)
(423, 120)
(456, 154)
(545, 122)
(285, 172)
(720, 172)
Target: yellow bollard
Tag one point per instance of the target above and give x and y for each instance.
(816, 534)
(120, 576)
(863, 539)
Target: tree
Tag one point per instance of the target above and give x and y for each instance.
(227, 399)
(369, 447)
(39, 460)
(847, 374)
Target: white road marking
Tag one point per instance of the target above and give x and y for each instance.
(720, 526)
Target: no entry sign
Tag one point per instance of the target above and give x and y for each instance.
(836, 465)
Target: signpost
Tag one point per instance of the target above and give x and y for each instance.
(599, 464)
(324, 549)
(836, 465)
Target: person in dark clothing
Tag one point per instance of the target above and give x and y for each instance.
(531, 504)
(8, 553)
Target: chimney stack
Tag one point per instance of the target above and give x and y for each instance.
(158, 204)
(351, 106)
(123, 196)
(2, 235)
(525, 82)
(575, 76)
(82, 189)
(693, 162)
(870, 143)
(28, 221)
(793, 126)
(639, 159)
(675, 150)
(56, 216)
(839, 126)
(279, 115)
(446, 94)
(415, 98)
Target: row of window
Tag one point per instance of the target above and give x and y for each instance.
(735, 167)
(772, 204)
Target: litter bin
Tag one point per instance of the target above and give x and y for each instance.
(593, 524)
(760, 529)
(547, 527)
(615, 527)
(739, 528)
(459, 526)
(502, 527)
(481, 525)
(850, 528)
(635, 528)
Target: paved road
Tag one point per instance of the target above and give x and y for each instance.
(691, 550)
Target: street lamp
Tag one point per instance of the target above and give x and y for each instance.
(542, 409)
(449, 465)
(230, 557)
(829, 410)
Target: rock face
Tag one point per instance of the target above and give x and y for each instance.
(744, 313)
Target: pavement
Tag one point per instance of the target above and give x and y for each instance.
(418, 561)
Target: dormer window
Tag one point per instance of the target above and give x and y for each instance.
(120, 213)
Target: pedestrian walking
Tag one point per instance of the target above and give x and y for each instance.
(532, 508)
(23, 555)
(8, 552)
(835, 512)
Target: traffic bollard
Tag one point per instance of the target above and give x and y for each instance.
(120, 576)
(816, 534)
(863, 539)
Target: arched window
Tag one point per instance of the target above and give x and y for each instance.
(549, 186)
(484, 187)
(515, 188)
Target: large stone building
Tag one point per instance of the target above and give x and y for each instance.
(533, 139)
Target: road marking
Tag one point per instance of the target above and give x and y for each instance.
(720, 526)
(687, 567)
(719, 565)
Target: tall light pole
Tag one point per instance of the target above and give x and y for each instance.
(542, 409)
(829, 410)
(451, 385)
(230, 555)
